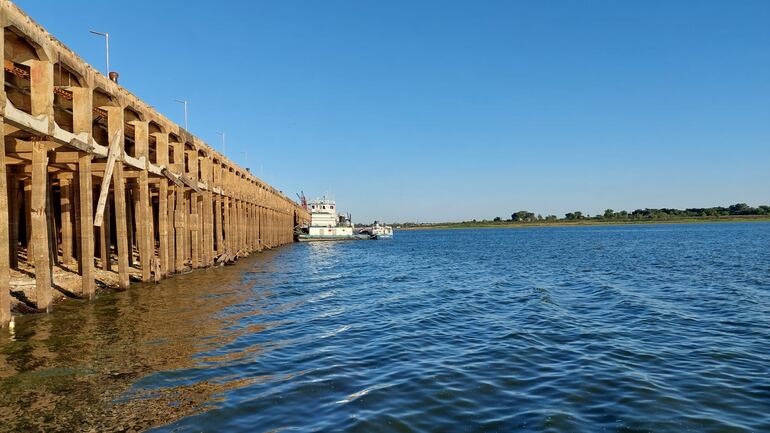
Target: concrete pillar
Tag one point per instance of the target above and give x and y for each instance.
(161, 150)
(67, 221)
(40, 226)
(115, 126)
(86, 226)
(144, 222)
(14, 203)
(227, 224)
(5, 255)
(218, 224)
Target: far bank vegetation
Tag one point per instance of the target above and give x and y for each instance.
(736, 212)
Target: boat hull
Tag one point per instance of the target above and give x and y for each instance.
(306, 238)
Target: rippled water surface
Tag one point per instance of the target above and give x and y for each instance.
(620, 329)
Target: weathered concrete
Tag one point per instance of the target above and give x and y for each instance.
(80, 153)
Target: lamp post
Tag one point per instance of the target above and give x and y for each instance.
(184, 101)
(223, 142)
(107, 47)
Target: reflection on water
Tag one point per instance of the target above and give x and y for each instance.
(627, 329)
(72, 369)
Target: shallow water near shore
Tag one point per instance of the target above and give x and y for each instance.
(576, 329)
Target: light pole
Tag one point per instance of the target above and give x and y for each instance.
(223, 142)
(184, 101)
(107, 44)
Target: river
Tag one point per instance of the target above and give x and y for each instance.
(656, 328)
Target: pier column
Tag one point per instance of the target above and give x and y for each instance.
(226, 225)
(82, 122)
(161, 152)
(194, 230)
(179, 228)
(239, 218)
(179, 209)
(192, 173)
(245, 212)
(252, 238)
(257, 222)
(40, 226)
(245, 224)
(27, 214)
(207, 211)
(234, 224)
(5, 210)
(258, 226)
(260, 212)
(41, 94)
(270, 234)
(204, 236)
(67, 209)
(105, 241)
(121, 226)
(171, 230)
(144, 222)
(86, 226)
(217, 172)
(5, 256)
(270, 228)
(218, 223)
(132, 199)
(236, 221)
(14, 202)
(115, 126)
(203, 206)
(257, 240)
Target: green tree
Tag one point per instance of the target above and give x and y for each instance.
(577, 215)
(523, 216)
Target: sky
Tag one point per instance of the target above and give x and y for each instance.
(434, 111)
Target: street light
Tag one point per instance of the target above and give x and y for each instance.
(223, 142)
(107, 43)
(184, 101)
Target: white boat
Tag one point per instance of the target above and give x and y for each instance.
(326, 224)
(381, 231)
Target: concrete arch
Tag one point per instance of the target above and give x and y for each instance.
(190, 159)
(102, 101)
(158, 143)
(19, 57)
(175, 154)
(133, 144)
(65, 80)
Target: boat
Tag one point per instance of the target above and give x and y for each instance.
(380, 231)
(326, 224)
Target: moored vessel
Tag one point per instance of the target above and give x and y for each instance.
(326, 224)
(381, 231)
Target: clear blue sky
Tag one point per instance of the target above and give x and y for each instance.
(449, 110)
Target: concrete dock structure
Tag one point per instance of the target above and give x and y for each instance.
(96, 185)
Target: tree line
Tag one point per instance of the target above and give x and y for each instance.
(647, 214)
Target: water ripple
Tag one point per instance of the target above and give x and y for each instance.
(623, 329)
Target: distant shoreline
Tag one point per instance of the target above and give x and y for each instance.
(586, 223)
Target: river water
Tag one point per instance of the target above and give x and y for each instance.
(660, 328)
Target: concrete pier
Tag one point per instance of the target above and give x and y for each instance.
(98, 187)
